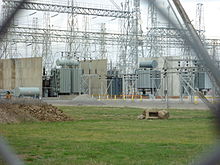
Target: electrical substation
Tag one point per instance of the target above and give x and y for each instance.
(118, 50)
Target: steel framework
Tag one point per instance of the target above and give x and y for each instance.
(68, 9)
(36, 35)
(130, 42)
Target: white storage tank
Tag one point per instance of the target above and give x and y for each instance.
(27, 91)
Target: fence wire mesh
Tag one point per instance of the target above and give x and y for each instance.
(191, 37)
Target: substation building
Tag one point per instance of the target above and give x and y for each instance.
(154, 77)
(22, 76)
(178, 77)
(125, 62)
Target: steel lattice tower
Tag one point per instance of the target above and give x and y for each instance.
(72, 26)
(200, 24)
(35, 45)
(48, 60)
(103, 50)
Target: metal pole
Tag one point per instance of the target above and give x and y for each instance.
(167, 99)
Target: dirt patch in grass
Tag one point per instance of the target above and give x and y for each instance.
(15, 111)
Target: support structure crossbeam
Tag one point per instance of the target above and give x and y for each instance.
(26, 35)
(68, 9)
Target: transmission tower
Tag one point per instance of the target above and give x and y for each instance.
(86, 49)
(152, 15)
(72, 26)
(154, 49)
(103, 50)
(35, 46)
(136, 43)
(200, 24)
(47, 47)
(124, 39)
(131, 46)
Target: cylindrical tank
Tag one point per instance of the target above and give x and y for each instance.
(67, 62)
(148, 64)
(27, 91)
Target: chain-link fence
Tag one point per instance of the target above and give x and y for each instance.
(190, 36)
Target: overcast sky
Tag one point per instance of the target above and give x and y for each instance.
(211, 13)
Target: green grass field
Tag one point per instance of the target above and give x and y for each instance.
(104, 136)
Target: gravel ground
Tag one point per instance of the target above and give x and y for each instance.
(85, 100)
(156, 104)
